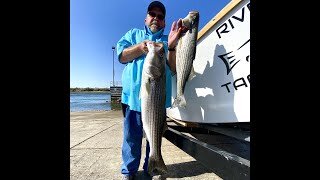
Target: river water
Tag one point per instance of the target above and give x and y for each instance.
(89, 101)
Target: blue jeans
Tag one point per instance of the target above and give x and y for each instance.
(132, 139)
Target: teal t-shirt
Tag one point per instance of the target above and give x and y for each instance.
(132, 73)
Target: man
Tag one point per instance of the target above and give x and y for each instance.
(132, 50)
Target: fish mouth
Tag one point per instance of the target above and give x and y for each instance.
(195, 13)
(190, 20)
(185, 25)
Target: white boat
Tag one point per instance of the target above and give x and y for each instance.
(220, 91)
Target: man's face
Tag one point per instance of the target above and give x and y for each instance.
(155, 20)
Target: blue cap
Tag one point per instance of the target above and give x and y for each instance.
(157, 4)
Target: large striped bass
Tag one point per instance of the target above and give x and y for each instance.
(153, 97)
(185, 54)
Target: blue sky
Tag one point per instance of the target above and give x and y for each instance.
(97, 25)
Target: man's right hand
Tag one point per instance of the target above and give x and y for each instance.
(143, 46)
(132, 52)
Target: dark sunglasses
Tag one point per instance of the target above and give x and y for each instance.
(153, 14)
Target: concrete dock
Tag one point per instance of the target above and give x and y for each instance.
(95, 150)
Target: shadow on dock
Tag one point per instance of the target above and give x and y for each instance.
(179, 170)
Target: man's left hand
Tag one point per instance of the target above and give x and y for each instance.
(176, 29)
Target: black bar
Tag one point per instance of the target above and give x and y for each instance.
(223, 163)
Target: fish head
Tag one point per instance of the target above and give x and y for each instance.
(191, 20)
(156, 47)
(155, 59)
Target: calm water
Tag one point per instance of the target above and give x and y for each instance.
(89, 101)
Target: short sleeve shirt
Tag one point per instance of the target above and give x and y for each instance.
(132, 73)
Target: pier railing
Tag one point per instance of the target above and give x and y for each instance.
(115, 92)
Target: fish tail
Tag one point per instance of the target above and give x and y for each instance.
(179, 101)
(156, 166)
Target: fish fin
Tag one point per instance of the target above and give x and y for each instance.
(156, 166)
(179, 101)
(144, 135)
(183, 102)
(175, 103)
(192, 74)
(148, 87)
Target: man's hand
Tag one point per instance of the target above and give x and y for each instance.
(134, 51)
(176, 29)
(143, 46)
(174, 35)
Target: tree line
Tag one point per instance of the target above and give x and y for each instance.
(88, 89)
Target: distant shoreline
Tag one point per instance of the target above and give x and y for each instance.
(89, 91)
(95, 90)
